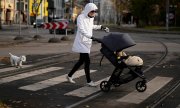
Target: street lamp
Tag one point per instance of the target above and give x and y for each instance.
(19, 18)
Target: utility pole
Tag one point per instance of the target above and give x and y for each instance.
(63, 8)
(19, 18)
(37, 5)
(36, 10)
(167, 15)
(27, 13)
(72, 2)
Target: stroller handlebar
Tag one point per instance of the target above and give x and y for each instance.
(97, 39)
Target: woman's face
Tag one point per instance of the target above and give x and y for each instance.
(92, 13)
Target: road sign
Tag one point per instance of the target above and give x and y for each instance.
(171, 16)
(55, 25)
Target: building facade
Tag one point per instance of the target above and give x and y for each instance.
(55, 9)
(15, 11)
(21, 11)
(39, 8)
(7, 9)
(64, 9)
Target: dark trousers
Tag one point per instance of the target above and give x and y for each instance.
(84, 58)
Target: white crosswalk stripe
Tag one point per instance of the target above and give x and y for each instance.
(29, 74)
(53, 81)
(86, 90)
(134, 97)
(12, 68)
(152, 86)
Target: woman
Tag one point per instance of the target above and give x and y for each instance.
(83, 41)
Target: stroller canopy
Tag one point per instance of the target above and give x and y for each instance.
(117, 41)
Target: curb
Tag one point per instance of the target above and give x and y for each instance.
(14, 43)
(139, 30)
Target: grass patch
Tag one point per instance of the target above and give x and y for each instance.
(175, 29)
(152, 27)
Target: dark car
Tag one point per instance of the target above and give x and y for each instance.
(39, 24)
(70, 28)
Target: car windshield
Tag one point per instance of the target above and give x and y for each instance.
(39, 20)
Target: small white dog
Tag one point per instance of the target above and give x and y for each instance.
(17, 61)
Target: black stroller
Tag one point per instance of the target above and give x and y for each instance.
(111, 44)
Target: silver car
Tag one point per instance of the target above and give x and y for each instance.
(39, 24)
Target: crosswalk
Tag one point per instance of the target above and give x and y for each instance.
(29, 74)
(153, 86)
(134, 97)
(12, 68)
(52, 81)
(86, 90)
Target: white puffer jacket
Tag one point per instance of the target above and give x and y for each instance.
(85, 24)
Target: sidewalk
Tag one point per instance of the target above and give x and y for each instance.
(42, 47)
(31, 46)
(10, 32)
(132, 28)
(147, 31)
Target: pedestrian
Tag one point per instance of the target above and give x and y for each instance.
(83, 41)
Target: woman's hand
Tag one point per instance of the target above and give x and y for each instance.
(106, 29)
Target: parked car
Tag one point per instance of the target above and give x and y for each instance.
(39, 24)
(70, 28)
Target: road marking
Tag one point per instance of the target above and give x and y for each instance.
(153, 86)
(29, 74)
(86, 90)
(12, 68)
(53, 81)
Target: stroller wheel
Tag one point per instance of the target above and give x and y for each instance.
(105, 86)
(141, 86)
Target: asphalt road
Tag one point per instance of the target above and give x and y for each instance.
(42, 84)
(13, 93)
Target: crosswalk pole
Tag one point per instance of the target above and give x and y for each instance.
(66, 32)
(54, 33)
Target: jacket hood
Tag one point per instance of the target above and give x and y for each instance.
(89, 7)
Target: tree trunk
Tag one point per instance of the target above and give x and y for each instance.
(0, 15)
